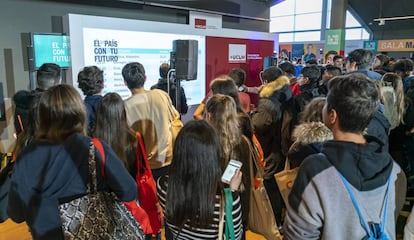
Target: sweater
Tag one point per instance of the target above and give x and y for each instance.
(319, 205)
(187, 232)
(150, 114)
(48, 174)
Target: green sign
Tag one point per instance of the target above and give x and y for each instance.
(335, 40)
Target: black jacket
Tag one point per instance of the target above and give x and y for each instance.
(267, 123)
(162, 84)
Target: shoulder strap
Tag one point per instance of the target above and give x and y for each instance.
(140, 151)
(361, 216)
(229, 226)
(97, 143)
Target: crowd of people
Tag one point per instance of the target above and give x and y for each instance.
(348, 127)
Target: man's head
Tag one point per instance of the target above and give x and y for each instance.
(338, 61)
(330, 72)
(352, 102)
(134, 75)
(238, 75)
(91, 80)
(48, 75)
(329, 56)
(310, 48)
(359, 59)
(403, 67)
(164, 68)
(288, 69)
(272, 73)
(309, 75)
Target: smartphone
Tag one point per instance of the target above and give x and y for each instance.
(230, 170)
(241, 89)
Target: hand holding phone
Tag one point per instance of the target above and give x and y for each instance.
(230, 170)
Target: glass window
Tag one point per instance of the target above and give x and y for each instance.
(307, 36)
(328, 19)
(286, 37)
(310, 21)
(306, 6)
(291, 16)
(282, 24)
(282, 9)
(365, 34)
(351, 21)
(353, 34)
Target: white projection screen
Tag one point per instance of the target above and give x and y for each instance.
(110, 43)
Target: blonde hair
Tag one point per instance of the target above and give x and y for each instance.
(221, 113)
(392, 96)
(313, 111)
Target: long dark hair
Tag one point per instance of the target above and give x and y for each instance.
(61, 114)
(194, 176)
(111, 126)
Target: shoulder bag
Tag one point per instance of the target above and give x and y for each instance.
(285, 180)
(98, 215)
(146, 185)
(261, 218)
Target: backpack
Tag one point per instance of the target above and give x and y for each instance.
(375, 231)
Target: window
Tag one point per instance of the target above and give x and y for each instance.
(300, 20)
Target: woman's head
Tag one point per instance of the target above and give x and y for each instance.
(194, 175)
(224, 84)
(380, 61)
(220, 112)
(61, 113)
(313, 110)
(110, 114)
(111, 125)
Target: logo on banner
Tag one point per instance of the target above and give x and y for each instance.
(200, 23)
(237, 53)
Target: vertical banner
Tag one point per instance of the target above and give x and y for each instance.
(335, 41)
(285, 51)
(297, 52)
(371, 45)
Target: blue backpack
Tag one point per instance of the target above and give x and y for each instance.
(374, 230)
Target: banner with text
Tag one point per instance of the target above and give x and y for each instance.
(335, 40)
(398, 45)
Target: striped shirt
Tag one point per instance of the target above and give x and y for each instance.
(187, 232)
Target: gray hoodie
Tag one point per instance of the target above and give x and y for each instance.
(319, 205)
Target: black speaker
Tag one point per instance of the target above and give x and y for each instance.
(186, 58)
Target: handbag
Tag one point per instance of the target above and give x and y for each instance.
(146, 185)
(261, 219)
(140, 215)
(285, 180)
(175, 123)
(175, 128)
(98, 215)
